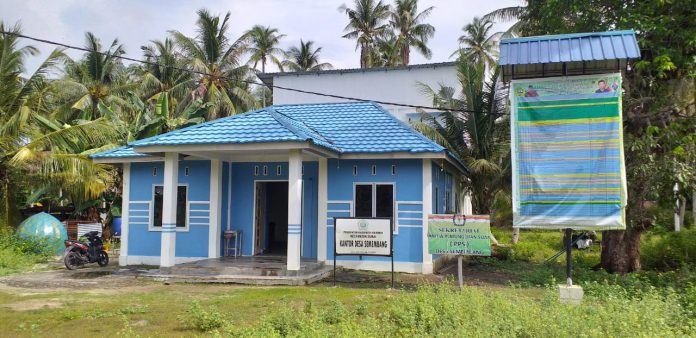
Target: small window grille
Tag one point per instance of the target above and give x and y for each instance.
(154, 171)
(374, 170)
(256, 170)
(186, 171)
(265, 170)
(355, 170)
(279, 170)
(393, 169)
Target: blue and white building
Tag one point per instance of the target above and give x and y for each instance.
(279, 175)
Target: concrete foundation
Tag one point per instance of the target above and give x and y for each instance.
(570, 294)
(260, 270)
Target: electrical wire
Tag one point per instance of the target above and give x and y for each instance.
(193, 71)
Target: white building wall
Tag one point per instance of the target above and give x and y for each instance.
(394, 85)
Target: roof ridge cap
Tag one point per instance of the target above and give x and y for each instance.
(324, 138)
(274, 114)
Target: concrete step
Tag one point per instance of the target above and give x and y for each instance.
(243, 268)
(304, 278)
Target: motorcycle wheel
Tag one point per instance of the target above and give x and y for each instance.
(103, 259)
(72, 260)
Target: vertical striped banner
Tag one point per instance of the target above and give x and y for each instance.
(568, 165)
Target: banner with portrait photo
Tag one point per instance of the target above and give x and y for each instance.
(567, 151)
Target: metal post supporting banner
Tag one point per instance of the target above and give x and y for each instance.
(460, 273)
(569, 267)
(392, 264)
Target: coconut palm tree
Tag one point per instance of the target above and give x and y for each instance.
(98, 77)
(164, 73)
(367, 21)
(520, 14)
(410, 29)
(37, 152)
(478, 44)
(226, 83)
(388, 53)
(262, 44)
(478, 133)
(305, 58)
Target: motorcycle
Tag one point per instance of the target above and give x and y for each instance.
(79, 253)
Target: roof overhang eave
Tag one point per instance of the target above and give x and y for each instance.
(238, 147)
(119, 160)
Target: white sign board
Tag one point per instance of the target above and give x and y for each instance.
(363, 236)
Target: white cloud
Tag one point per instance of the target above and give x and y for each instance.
(135, 23)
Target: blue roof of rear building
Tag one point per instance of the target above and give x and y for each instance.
(341, 127)
(569, 48)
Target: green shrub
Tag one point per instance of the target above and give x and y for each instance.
(201, 319)
(19, 254)
(668, 251)
(335, 313)
(443, 311)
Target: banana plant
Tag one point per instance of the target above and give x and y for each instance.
(154, 119)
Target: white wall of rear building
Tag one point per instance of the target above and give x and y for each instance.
(399, 86)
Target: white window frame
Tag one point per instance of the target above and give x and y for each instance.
(151, 223)
(395, 225)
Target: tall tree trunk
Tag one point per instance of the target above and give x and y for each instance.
(515, 235)
(405, 55)
(363, 60)
(621, 250)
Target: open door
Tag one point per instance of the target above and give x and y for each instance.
(271, 218)
(259, 218)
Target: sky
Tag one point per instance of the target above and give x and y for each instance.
(136, 23)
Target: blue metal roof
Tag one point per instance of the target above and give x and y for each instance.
(360, 128)
(340, 127)
(569, 48)
(120, 152)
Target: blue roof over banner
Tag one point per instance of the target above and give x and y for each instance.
(339, 127)
(569, 48)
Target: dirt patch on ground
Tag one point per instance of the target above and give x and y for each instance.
(115, 280)
(34, 304)
(109, 279)
(475, 276)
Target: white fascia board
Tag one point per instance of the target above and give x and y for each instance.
(397, 155)
(119, 160)
(187, 148)
(258, 146)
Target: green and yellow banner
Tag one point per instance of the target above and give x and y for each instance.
(459, 235)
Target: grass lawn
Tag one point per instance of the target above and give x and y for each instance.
(508, 297)
(60, 314)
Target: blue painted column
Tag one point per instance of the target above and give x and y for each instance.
(294, 209)
(169, 192)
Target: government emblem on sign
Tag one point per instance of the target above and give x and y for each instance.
(362, 225)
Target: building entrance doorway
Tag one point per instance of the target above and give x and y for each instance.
(271, 218)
